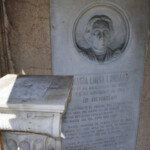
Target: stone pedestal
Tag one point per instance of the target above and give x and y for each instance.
(31, 110)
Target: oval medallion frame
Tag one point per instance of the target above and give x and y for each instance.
(101, 32)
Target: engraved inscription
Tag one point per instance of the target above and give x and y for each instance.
(102, 110)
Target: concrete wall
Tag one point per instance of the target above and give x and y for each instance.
(29, 36)
(6, 65)
(29, 44)
(143, 140)
(1, 47)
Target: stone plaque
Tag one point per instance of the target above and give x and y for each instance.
(102, 43)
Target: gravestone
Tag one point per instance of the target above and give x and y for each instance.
(102, 43)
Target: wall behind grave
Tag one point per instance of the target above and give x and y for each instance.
(1, 47)
(143, 140)
(29, 36)
(29, 44)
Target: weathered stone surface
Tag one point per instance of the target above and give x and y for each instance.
(104, 109)
(33, 104)
(24, 141)
(144, 136)
(26, 102)
(40, 91)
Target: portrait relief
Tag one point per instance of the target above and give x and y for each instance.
(100, 34)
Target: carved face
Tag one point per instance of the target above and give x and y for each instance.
(100, 37)
(99, 34)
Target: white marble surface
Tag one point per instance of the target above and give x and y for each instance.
(34, 93)
(24, 141)
(31, 107)
(102, 43)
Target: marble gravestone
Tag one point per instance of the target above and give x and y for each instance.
(31, 110)
(102, 43)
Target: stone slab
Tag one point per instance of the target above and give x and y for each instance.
(104, 109)
(35, 93)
